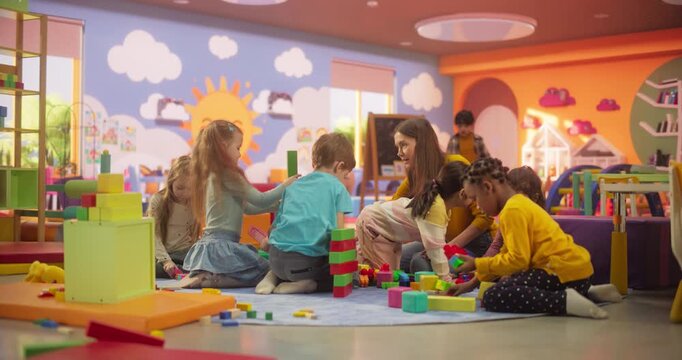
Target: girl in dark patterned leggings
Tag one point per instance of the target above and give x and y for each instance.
(548, 272)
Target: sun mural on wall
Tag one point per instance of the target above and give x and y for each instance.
(226, 105)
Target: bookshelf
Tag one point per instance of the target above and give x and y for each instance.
(668, 98)
(23, 188)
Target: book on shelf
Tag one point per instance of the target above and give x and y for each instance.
(668, 81)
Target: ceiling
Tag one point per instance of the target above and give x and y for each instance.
(392, 21)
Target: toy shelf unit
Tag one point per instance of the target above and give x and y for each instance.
(21, 187)
(668, 98)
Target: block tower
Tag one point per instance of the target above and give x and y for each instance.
(342, 260)
(109, 249)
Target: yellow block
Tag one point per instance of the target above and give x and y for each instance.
(428, 282)
(119, 200)
(210, 291)
(244, 306)
(452, 303)
(115, 213)
(278, 175)
(485, 285)
(110, 183)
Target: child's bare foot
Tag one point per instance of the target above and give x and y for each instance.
(604, 293)
(579, 305)
(268, 284)
(296, 287)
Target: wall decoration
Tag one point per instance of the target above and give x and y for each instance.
(110, 134)
(608, 105)
(304, 135)
(222, 47)
(421, 93)
(581, 127)
(128, 140)
(547, 152)
(598, 151)
(556, 97)
(531, 122)
(294, 63)
(141, 57)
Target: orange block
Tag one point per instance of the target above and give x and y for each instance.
(261, 224)
(158, 310)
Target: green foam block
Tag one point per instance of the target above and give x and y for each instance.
(342, 257)
(343, 234)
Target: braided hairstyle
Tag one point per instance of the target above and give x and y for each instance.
(448, 183)
(490, 168)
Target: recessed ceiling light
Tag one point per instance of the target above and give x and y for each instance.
(181, 2)
(476, 27)
(673, 2)
(406, 43)
(255, 2)
(373, 3)
(601, 16)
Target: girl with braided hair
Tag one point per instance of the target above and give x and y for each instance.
(382, 228)
(547, 272)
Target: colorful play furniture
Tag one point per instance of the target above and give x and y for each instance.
(676, 232)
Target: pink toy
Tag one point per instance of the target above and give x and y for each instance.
(382, 276)
(395, 296)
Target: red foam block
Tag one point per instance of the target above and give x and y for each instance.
(342, 245)
(345, 268)
(343, 291)
(89, 200)
(104, 332)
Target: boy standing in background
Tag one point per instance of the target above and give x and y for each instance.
(465, 142)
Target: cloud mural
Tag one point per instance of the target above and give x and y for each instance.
(293, 63)
(150, 109)
(222, 46)
(554, 97)
(309, 105)
(608, 105)
(260, 103)
(581, 127)
(275, 103)
(173, 111)
(421, 93)
(141, 57)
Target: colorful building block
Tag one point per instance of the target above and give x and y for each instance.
(268, 316)
(415, 286)
(81, 213)
(107, 262)
(229, 323)
(342, 257)
(251, 314)
(343, 280)
(418, 274)
(342, 245)
(292, 162)
(343, 268)
(89, 200)
(455, 262)
(383, 276)
(343, 234)
(389, 284)
(442, 285)
(110, 183)
(415, 301)
(157, 333)
(3, 111)
(105, 332)
(428, 282)
(105, 162)
(28, 350)
(342, 291)
(452, 303)
(124, 200)
(235, 313)
(395, 296)
(483, 287)
(115, 213)
(244, 306)
(211, 291)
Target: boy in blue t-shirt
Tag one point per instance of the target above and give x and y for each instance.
(310, 209)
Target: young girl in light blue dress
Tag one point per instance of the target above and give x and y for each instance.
(221, 195)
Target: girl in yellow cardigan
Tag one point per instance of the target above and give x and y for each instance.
(548, 272)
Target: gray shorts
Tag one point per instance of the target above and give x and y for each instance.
(293, 266)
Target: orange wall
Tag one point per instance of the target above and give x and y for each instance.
(610, 67)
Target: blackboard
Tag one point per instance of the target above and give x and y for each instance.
(380, 149)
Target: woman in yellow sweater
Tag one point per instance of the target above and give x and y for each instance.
(548, 272)
(468, 227)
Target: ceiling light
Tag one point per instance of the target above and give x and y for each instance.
(601, 16)
(673, 2)
(255, 2)
(181, 2)
(476, 27)
(406, 43)
(373, 3)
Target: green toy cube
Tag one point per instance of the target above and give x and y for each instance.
(415, 302)
(343, 234)
(108, 262)
(342, 257)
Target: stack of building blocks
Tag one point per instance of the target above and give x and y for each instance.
(395, 296)
(342, 260)
(428, 282)
(452, 303)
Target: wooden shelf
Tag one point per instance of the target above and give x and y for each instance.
(11, 52)
(14, 15)
(653, 132)
(15, 92)
(655, 104)
(661, 86)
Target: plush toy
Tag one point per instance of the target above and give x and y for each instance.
(41, 272)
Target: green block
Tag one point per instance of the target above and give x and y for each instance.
(292, 163)
(342, 257)
(415, 302)
(29, 350)
(131, 199)
(251, 314)
(419, 274)
(268, 316)
(18, 188)
(389, 284)
(108, 262)
(343, 234)
(343, 280)
(81, 213)
(264, 254)
(442, 285)
(455, 262)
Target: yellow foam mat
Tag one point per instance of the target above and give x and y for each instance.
(159, 310)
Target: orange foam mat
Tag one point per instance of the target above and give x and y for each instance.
(159, 310)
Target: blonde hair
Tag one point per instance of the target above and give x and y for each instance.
(209, 157)
(161, 214)
(333, 147)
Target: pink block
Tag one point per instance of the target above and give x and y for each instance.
(383, 276)
(395, 296)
